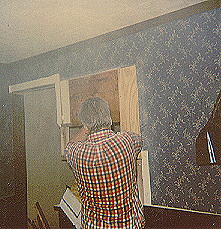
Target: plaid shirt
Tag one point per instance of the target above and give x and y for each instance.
(105, 170)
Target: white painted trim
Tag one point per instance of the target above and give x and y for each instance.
(65, 102)
(63, 111)
(58, 103)
(34, 83)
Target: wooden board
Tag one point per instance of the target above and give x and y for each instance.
(129, 121)
(103, 85)
(128, 99)
(145, 174)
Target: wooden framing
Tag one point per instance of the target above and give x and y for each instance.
(127, 103)
(120, 91)
(119, 88)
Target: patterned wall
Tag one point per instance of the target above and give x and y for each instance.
(178, 71)
(179, 83)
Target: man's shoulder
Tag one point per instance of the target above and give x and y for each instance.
(129, 135)
(74, 145)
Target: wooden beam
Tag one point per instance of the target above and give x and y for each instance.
(129, 121)
(128, 99)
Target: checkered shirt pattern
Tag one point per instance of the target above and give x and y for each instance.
(105, 170)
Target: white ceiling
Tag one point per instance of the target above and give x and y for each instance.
(31, 27)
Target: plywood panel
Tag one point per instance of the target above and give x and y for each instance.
(103, 85)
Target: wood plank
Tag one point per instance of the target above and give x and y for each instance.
(129, 121)
(140, 180)
(128, 99)
(146, 178)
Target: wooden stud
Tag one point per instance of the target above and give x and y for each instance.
(129, 115)
(128, 100)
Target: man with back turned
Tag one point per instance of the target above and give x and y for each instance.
(104, 165)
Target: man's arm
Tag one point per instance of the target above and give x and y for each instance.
(81, 135)
(137, 142)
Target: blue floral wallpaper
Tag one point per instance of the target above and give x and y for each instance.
(179, 83)
(178, 74)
